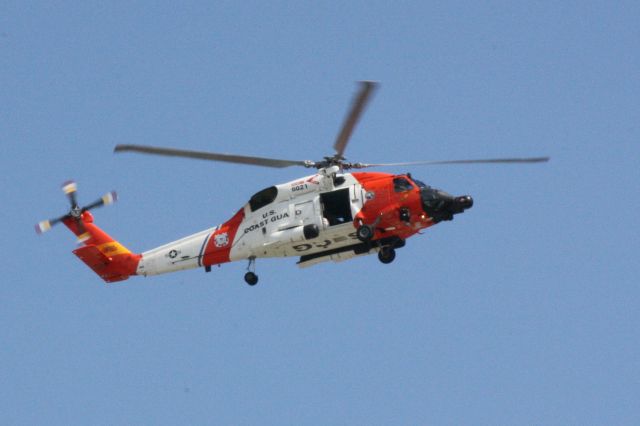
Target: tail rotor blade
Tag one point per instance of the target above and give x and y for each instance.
(45, 225)
(70, 188)
(108, 198)
(42, 227)
(83, 235)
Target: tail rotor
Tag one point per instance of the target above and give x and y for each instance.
(75, 213)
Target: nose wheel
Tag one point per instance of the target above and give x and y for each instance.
(250, 277)
(365, 233)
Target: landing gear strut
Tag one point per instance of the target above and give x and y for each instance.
(250, 277)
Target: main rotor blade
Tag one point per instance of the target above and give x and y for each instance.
(431, 163)
(214, 156)
(357, 107)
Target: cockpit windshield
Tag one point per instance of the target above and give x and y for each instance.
(401, 184)
(419, 183)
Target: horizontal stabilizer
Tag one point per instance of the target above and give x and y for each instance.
(99, 262)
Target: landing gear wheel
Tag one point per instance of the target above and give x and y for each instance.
(251, 278)
(364, 233)
(386, 255)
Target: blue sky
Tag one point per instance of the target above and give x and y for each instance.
(522, 310)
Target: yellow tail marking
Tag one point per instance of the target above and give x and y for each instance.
(112, 248)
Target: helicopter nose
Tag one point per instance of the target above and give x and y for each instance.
(440, 205)
(465, 202)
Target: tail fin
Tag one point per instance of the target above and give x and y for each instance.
(107, 257)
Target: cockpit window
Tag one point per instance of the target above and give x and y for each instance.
(401, 184)
(262, 198)
(420, 183)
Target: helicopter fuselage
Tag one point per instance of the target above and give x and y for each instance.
(316, 217)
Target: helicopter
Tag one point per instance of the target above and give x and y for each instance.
(331, 215)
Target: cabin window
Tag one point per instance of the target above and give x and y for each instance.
(401, 184)
(336, 206)
(262, 198)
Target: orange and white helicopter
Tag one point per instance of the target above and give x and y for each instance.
(330, 215)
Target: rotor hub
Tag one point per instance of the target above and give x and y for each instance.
(75, 212)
